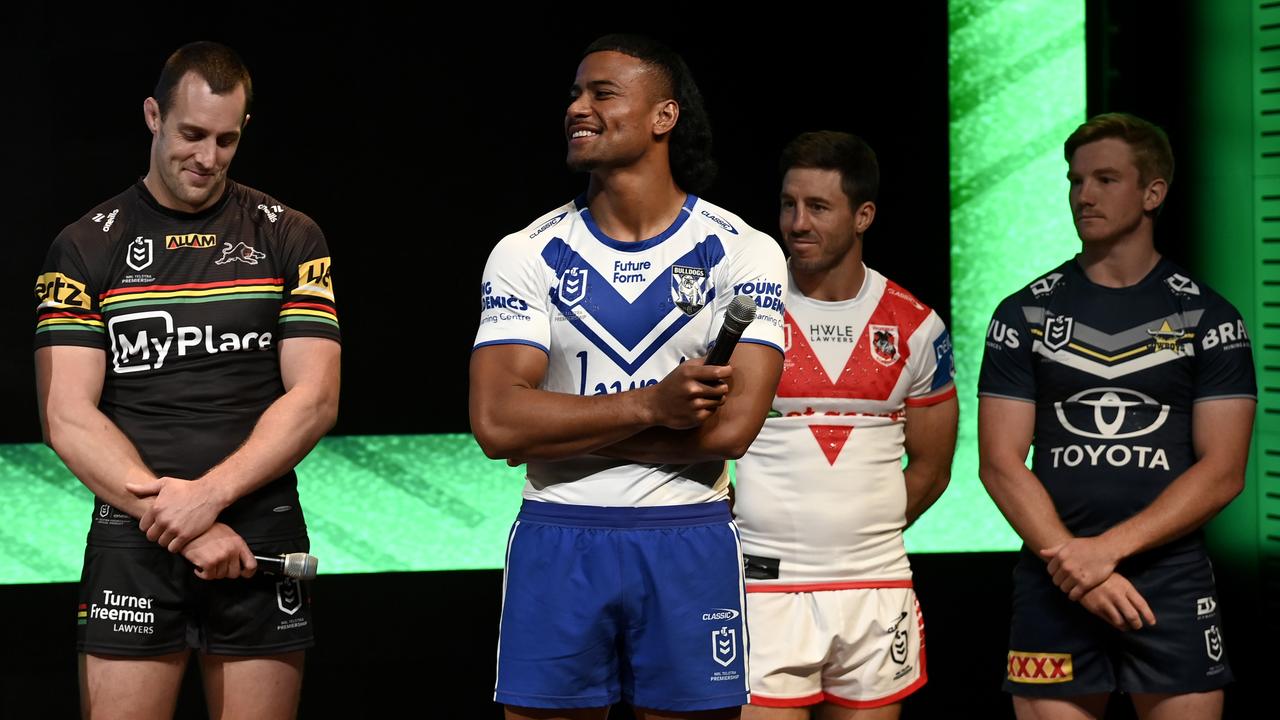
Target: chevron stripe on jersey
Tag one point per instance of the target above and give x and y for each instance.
(628, 332)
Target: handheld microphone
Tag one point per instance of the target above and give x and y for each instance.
(298, 565)
(740, 313)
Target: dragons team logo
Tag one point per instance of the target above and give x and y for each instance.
(239, 253)
(1057, 332)
(884, 343)
(573, 286)
(689, 288)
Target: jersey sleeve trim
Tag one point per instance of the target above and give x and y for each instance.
(1006, 397)
(511, 341)
(762, 342)
(1228, 396)
(928, 400)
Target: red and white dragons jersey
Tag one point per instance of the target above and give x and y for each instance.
(821, 498)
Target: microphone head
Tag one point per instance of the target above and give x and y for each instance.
(300, 565)
(740, 313)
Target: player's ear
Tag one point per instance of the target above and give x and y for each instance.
(151, 114)
(668, 113)
(864, 216)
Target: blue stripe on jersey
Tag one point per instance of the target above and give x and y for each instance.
(626, 322)
(685, 211)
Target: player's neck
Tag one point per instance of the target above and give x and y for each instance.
(838, 282)
(167, 199)
(1121, 262)
(631, 205)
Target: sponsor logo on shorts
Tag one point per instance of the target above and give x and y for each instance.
(1213, 643)
(239, 253)
(724, 646)
(1039, 668)
(131, 614)
(1205, 607)
(194, 241)
(721, 614)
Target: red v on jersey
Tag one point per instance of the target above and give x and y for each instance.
(863, 376)
(831, 438)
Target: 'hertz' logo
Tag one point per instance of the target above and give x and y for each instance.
(1039, 668)
(196, 241)
(54, 289)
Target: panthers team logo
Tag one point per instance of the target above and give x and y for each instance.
(573, 286)
(884, 343)
(1057, 332)
(239, 252)
(689, 288)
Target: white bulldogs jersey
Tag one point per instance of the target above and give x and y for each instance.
(821, 498)
(614, 316)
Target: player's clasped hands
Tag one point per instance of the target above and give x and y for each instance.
(182, 510)
(220, 553)
(689, 394)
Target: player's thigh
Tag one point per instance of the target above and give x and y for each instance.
(757, 712)
(130, 688)
(253, 687)
(1187, 706)
(524, 713)
(729, 713)
(1081, 707)
(830, 711)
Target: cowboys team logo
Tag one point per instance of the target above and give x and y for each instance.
(288, 596)
(1168, 338)
(1213, 643)
(573, 286)
(139, 256)
(724, 646)
(884, 343)
(1057, 332)
(689, 288)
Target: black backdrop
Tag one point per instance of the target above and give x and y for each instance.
(416, 142)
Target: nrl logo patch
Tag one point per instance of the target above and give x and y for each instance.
(139, 255)
(724, 646)
(573, 286)
(1057, 332)
(288, 596)
(884, 343)
(689, 288)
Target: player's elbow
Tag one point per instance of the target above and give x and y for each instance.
(497, 442)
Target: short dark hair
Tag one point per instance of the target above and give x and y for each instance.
(1152, 153)
(690, 146)
(218, 64)
(843, 152)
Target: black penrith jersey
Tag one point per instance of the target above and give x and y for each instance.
(1114, 373)
(189, 310)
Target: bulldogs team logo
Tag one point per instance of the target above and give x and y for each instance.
(689, 288)
(573, 286)
(239, 253)
(884, 343)
(138, 255)
(724, 646)
(1057, 332)
(288, 596)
